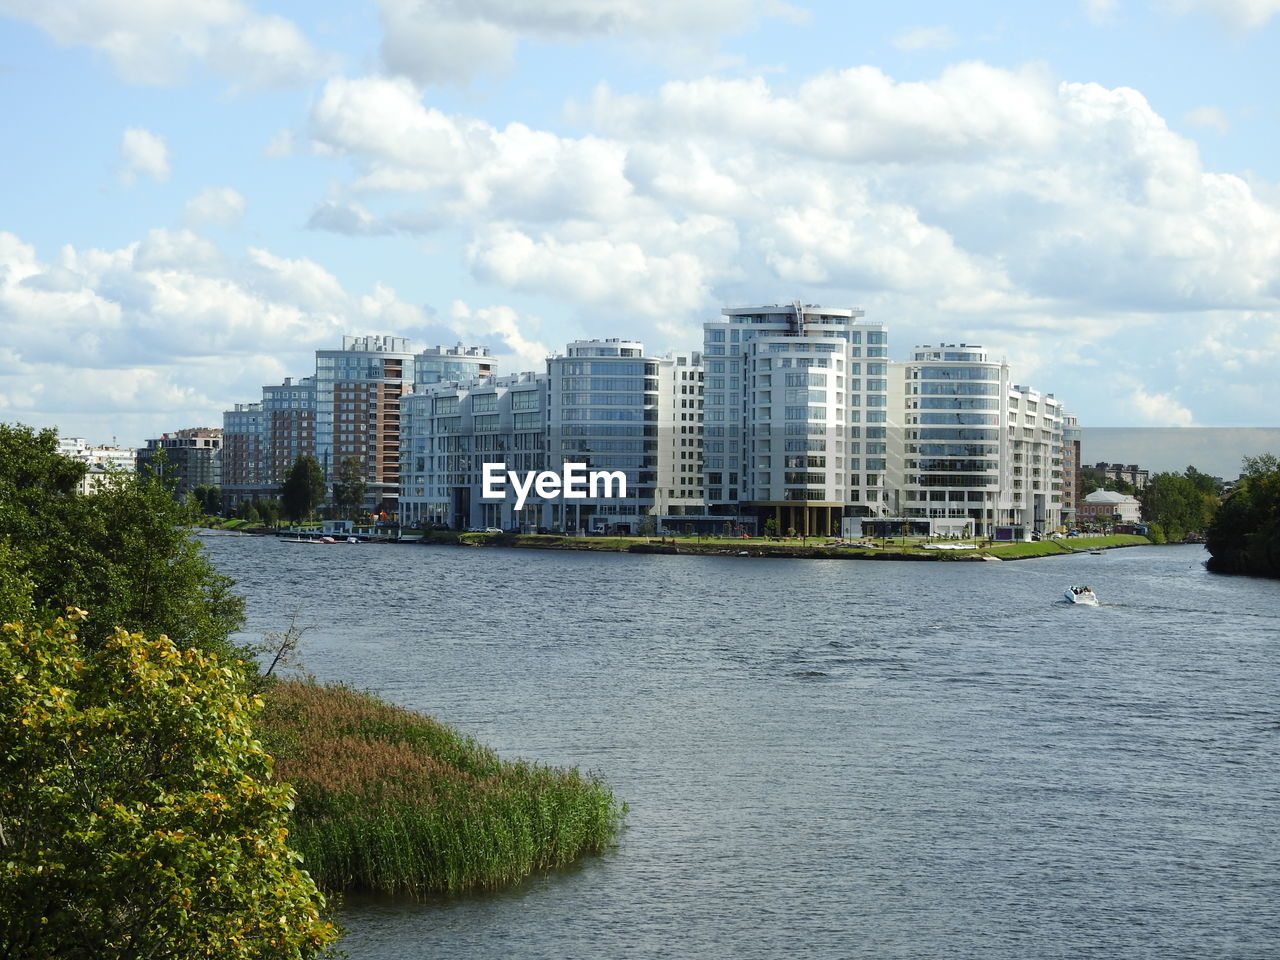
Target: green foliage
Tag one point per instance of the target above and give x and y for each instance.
(1245, 534)
(1155, 533)
(137, 813)
(393, 801)
(349, 488)
(771, 527)
(126, 551)
(208, 500)
(247, 511)
(1177, 503)
(303, 488)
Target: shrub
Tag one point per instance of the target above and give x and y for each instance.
(137, 810)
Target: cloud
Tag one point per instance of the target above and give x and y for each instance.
(166, 331)
(222, 206)
(1159, 409)
(1048, 218)
(156, 43)
(925, 38)
(349, 218)
(1100, 11)
(500, 327)
(442, 41)
(1236, 14)
(143, 154)
(1208, 118)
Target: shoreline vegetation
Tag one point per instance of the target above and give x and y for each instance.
(812, 548)
(392, 801)
(140, 812)
(822, 548)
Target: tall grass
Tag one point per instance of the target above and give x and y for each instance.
(393, 801)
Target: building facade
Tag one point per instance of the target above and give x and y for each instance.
(102, 462)
(972, 452)
(193, 457)
(603, 404)
(795, 416)
(450, 430)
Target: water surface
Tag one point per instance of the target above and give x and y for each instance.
(830, 758)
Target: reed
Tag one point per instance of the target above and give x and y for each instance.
(392, 801)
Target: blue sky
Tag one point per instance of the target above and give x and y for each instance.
(200, 194)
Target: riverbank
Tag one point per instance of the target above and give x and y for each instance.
(811, 549)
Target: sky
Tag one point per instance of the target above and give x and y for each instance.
(198, 194)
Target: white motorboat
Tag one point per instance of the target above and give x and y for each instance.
(1083, 595)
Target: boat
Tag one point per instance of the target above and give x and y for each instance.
(1084, 595)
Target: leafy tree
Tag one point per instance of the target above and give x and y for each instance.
(1261, 464)
(1201, 481)
(268, 511)
(1174, 501)
(1245, 534)
(125, 551)
(137, 810)
(208, 499)
(771, 527)
(349, 488)
(303, 488)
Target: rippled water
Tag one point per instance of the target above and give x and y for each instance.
(834, 758)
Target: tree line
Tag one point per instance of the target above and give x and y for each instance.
(1245, 534)
(138, 813)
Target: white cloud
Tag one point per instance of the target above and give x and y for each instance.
(501, 327)
(143, 154)
(280, 145)
(1237, 14)
(156, 42)
(1159, 409)
(925, 38)
(1039, 215)
(1208, 118)
(167, 331)
(442, 41)
(223, 206)
(1100, 11)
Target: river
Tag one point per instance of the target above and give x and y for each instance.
(829, 758)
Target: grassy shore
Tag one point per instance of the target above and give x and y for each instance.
(810, 548)
(392, 801)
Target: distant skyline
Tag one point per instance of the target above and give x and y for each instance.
(199, 196)
(1217, 451)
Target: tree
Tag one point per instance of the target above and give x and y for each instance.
(303, 488)
(771, 527)
(1245, 534)
(1174, 502)
(125, 551)
(349, 488)
(137, 813)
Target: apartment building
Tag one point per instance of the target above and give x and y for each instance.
(795, 416)
(1071, 439)
(604, 404)
(1129, 472)
(449, 430)
(102, 461)
(972, 452)
(348, 409)
(193, 457)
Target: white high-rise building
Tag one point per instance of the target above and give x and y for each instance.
(604, 404)
(795, 416)
(449, 430)
(971, 451)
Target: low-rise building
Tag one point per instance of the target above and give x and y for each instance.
(1107, 505)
